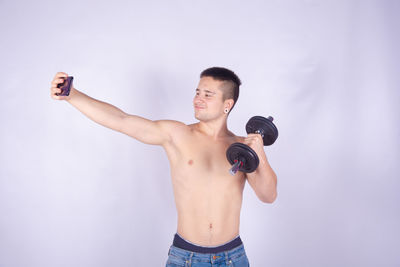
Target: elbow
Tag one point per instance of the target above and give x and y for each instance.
(269, 198)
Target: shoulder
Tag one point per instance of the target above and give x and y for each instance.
(237, 138)
(177, 131)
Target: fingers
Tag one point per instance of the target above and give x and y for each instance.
(253, 139)
(60, 74)
(55, 82)
(54, 96)
(55, 90)
(58, 79)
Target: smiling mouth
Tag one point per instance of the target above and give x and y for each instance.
(197, 107)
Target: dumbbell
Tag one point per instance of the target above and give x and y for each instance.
(244, 158)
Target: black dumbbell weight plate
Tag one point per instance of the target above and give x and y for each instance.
(240, 151)
(267, 126)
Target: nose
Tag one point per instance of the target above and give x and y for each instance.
(198, 99)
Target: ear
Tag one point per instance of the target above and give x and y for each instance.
(228, 103)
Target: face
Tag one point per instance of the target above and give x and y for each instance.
(208, 100)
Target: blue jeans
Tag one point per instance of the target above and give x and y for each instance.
(178, 257)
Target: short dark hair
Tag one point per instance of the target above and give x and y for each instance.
(223, 74)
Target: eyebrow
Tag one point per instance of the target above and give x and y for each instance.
(207, 91)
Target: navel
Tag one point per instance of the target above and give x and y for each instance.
(211, 233)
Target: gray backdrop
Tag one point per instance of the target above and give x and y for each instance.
(74, 193)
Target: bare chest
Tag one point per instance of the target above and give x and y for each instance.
(197, 159)
(202, 156)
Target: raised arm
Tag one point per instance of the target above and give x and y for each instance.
(147, 131)
(144, 130)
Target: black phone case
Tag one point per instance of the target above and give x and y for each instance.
(65, 86)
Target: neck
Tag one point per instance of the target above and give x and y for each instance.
(214, 128)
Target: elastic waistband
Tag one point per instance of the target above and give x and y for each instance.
(179, 242)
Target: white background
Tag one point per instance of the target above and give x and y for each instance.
(74, 193)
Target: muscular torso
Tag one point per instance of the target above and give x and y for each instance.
(208, 199)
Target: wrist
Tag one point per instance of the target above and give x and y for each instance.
(72, 94)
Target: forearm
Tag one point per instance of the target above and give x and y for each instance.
(96, 110)
(264, 181)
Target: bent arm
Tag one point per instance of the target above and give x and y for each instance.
(105, 114)
(264, 181)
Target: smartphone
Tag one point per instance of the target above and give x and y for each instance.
(65, 86)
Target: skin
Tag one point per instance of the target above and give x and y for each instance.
(208, 199)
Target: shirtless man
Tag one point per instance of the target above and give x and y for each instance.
(207, 197)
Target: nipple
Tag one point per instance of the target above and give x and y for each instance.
(190, 162)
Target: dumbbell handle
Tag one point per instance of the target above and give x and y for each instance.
(235, 167)
(260, 131)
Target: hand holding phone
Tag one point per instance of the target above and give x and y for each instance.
(65, 86)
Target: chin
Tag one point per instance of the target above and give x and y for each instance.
(198, 117)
